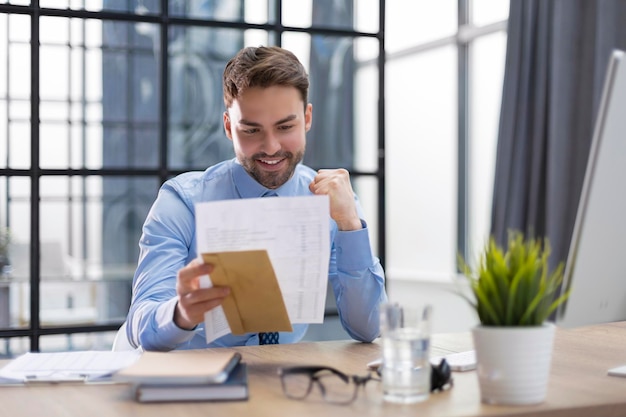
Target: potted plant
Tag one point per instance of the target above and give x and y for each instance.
(514, 294)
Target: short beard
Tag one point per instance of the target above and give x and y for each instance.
(272, 180)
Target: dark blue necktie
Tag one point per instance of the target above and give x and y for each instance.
(269, 338)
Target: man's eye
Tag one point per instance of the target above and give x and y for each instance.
(250, 131)
(285, 127)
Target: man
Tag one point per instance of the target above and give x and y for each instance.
(267, 116)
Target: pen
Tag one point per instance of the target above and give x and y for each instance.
(54, 379)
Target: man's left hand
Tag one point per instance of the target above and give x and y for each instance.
(336, 184)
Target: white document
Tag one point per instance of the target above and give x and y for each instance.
(295, 231)
(76, 366)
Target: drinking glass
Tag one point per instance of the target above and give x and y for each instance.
(405, 336)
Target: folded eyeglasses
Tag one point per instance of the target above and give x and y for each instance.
(339, 388)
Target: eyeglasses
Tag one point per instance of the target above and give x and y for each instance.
(335, 386)
(339, 388)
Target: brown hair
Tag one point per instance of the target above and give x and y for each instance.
(263, 67)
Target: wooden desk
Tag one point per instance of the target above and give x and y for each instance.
(578, 385)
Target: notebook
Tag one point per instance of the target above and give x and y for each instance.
(197, 366)
(234, 388)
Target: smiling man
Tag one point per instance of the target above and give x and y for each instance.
(267, 116)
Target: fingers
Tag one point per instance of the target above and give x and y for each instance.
(188, 276)
(202, 296)
(330, 181)
(192, 306)
(194, 301)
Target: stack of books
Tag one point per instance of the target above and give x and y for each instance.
(187, 375)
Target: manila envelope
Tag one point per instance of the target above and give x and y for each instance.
(255, 303)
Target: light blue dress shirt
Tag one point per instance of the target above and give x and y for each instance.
(168, 243)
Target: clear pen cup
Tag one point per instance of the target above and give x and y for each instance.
(405, 336)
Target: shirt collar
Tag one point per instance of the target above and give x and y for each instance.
(248, 187)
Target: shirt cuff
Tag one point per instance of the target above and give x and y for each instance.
(168, 332)
(353, 249)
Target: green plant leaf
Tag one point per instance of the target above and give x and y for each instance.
(518, 280)
(556, 303)
(490, 291)
(514, 287)
(486, 311)
(526, 319)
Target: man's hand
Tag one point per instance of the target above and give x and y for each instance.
(336, 184)
(194, 301)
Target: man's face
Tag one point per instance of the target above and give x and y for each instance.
(268, 128)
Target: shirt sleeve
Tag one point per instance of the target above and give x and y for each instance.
(164, 249)
(358, 281)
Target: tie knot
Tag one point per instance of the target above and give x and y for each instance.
(268, 338)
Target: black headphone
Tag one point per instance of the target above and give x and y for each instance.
(440, 376)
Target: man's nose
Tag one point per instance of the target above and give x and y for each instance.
(271, 144)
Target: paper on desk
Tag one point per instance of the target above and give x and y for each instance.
(295, 232)
(83, 366)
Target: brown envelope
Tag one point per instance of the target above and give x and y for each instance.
(255, 303)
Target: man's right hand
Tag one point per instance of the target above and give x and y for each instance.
(194, 301)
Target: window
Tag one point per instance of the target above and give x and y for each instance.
(129, 95)
(443, 83)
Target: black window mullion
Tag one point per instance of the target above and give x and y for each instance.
(83, 137)
(35, 324)
(8, 122)
(278, 22)
(164, 104)
(70, 145)
(129, 123)
(382, 214)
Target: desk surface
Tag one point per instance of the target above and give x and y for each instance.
(579, 385)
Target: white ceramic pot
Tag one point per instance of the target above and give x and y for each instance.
(513, 363)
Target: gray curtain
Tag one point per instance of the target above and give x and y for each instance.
(556, 60)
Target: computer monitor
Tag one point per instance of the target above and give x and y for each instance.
(596, 264)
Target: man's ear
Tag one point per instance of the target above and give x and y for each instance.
(308, 117)
(226, 119)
